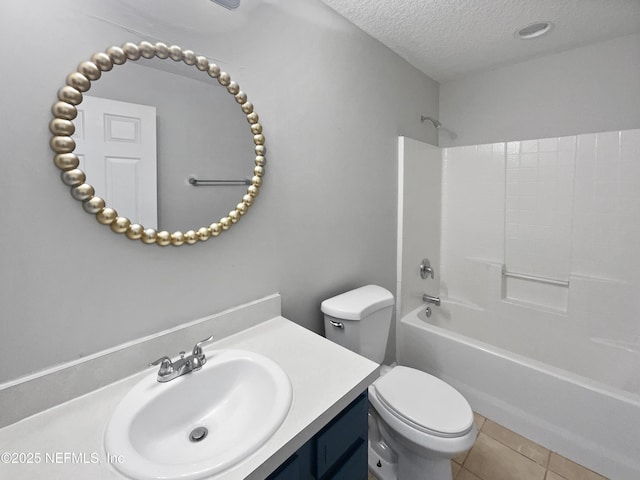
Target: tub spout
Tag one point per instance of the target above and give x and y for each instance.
(431, 299)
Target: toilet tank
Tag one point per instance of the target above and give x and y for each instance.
(360, 320)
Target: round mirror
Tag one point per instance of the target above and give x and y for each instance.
(144, 163)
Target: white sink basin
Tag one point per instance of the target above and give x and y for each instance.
(240, 397)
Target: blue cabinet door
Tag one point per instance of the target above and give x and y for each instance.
(341, 436)
(337, 452)
(354, 467)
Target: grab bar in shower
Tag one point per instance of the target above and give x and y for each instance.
(535, 278)
(196, 182)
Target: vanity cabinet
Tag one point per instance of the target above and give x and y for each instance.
(337, 452)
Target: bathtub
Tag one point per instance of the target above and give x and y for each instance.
(594, 423)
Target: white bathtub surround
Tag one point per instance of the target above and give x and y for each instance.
(569, 211)
(473, 213)
(320, 392)
(539, 203)
(565, 209)
(538, 218)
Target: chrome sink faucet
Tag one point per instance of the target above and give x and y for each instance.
(170, 370)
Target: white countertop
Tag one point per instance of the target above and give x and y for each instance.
(65, 442)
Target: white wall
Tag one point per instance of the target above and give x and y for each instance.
(584, 90)
(332, 101)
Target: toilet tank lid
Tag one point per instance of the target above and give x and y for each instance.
(357, 304)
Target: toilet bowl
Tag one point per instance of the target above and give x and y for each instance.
(423, 420)
(417, 422)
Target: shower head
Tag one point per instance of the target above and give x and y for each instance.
(435, 122)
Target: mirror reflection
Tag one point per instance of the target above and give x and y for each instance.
(146, 127)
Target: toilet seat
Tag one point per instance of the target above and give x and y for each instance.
(423, 402)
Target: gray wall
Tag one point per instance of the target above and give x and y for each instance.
(332, 101)
(584, 90)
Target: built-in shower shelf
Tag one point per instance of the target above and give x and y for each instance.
(542, 293)
(536, 306)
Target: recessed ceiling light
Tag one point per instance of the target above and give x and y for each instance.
(230, 4)
(534, 30)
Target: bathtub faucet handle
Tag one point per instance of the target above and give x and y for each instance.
(426, 269)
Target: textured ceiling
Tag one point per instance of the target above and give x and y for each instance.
(447, 39)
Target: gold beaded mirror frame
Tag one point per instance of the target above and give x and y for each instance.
(62, 127)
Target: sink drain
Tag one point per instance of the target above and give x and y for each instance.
(198, 434)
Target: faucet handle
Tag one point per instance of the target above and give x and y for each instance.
(426, 269)
(166, 365)
(197, 349)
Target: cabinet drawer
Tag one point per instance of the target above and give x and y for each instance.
(355, 468)
(349, 428)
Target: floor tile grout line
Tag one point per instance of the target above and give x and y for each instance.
(507, 446)
(549, 452)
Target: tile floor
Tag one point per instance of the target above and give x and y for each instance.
(500, 454)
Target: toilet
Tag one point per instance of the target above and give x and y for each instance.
(417, 422)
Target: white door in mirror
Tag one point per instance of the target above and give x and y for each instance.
(116, 146)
